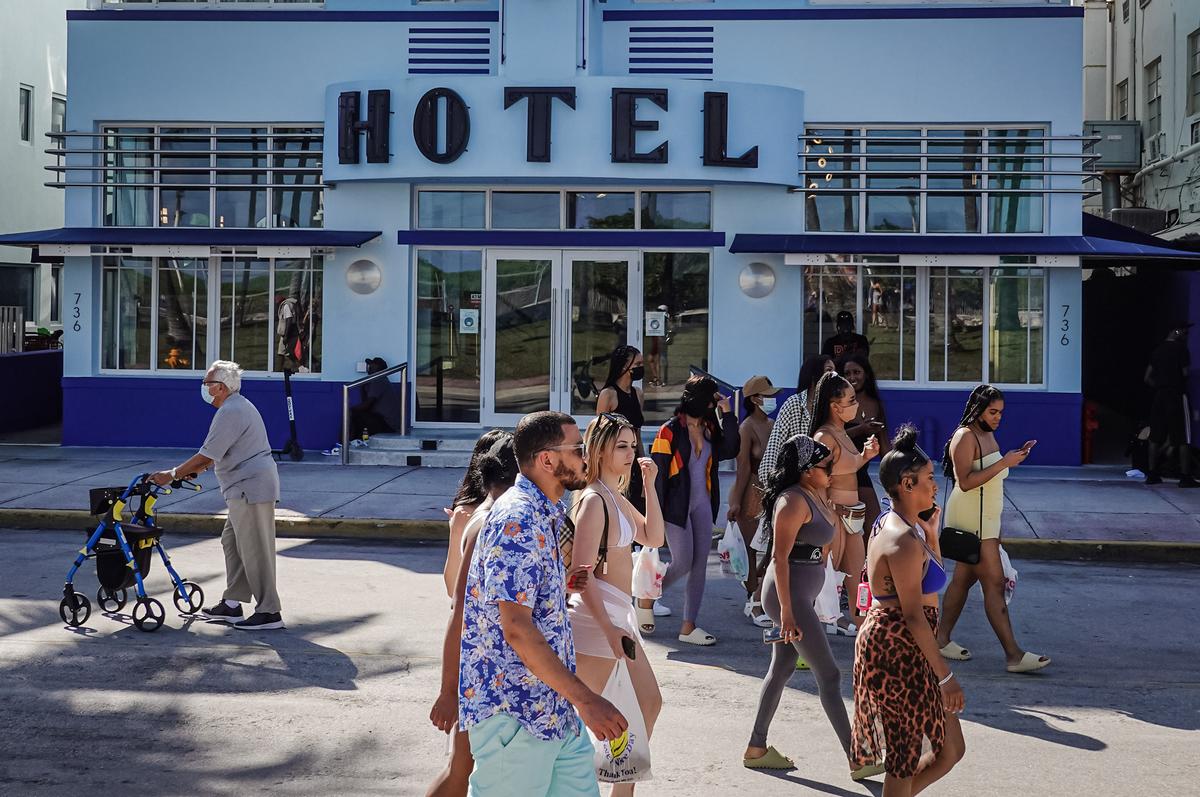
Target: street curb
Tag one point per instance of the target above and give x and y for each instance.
(211, 525)
(436, 531)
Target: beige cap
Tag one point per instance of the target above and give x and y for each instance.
(758, 386)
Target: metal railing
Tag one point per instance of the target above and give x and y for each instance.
(12, 329)
(402, 368)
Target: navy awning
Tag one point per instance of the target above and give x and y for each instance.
(1101, 238)
(190, 236)
(562, 238)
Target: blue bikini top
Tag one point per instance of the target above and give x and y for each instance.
(935, 574)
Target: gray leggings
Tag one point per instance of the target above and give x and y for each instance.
(806, 579)
(690, 546)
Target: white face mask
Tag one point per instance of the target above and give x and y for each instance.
(768, 404)
(204, 394)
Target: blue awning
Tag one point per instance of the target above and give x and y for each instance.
(190, 236)
(1101, 238)
(562, 238)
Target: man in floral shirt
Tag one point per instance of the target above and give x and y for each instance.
(518, 694)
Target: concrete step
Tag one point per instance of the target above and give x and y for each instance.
(402, 458)
(421, 444)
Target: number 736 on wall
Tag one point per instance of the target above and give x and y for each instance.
(76, 312)
(1065, 326)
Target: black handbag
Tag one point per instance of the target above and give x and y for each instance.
(963, 546)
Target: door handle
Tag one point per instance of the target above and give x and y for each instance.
(554, 307)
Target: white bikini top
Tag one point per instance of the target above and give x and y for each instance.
(625, 538)
(474, 524)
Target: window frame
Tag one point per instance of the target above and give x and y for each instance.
(1153, 88)
(1192, 84)
(923, 272)
(26, 113)
(926, 136)
(1121, 99)
(109, 167)
(212, 336)
(489, 189)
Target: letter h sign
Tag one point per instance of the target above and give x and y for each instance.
(377, 126)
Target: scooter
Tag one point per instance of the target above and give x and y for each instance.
(291, 449)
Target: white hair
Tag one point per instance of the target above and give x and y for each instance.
(227, 373)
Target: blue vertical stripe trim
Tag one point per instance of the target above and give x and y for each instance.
(448, 41)
(670, 30)
(671, 39)
(451, 50)
(668, 71)
(222, 15)
(843, 13)
(670, 49)
(670, 60)
(449, 71)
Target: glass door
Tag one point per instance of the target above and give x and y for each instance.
(551, 319)
(604, 309)
(521, 292)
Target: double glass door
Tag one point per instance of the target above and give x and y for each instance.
(551, 318)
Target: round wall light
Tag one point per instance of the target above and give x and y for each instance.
(757, 280)
(363, 276)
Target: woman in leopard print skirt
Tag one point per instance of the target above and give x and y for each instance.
(906, 700)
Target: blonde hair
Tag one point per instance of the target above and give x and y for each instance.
(601, 438)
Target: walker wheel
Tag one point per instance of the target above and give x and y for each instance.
(189, 598)
(77, 614)
(116, 597)
(148, 614)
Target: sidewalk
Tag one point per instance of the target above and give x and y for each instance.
(1087, 512)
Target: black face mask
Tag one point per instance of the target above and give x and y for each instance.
(637, 373)
(697, 407)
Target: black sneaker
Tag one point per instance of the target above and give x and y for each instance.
(1153, 480)
(1188, 481)
(261, 621)
(222, 612)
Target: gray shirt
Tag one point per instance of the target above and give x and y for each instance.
(237, 444)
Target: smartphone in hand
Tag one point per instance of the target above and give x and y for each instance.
(772, 635)
(1029, 444)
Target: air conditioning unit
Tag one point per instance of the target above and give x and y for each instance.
(1118, 144)
(1147, 220)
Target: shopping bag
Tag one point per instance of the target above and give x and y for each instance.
(1010, 575)
(625, 759)
(731, 550)
(828, 604)
(648, 572)
(762, 537)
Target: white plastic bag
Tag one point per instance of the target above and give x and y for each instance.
(1010, 575)
(731, 550)
(762, 538)
(625, 759)
(827, 604)
(648, 572)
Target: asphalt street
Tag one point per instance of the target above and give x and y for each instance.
(338, 703)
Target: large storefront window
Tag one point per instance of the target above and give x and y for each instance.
(474, 209)
(933, 325)
(675, 289)
(213, 176)
(156, 313)
(448, 350)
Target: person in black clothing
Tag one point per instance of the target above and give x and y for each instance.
(1167, 374)
(846, 341)
(379, 410)
(620, 396)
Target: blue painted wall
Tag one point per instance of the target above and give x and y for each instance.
(33, 390)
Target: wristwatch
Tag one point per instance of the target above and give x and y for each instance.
(173, 476)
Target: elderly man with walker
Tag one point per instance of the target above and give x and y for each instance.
(238, 452)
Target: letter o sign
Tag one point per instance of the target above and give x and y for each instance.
(425, 125)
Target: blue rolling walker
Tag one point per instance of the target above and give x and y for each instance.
(123, 554)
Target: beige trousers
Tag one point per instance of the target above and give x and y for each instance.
(249, 542)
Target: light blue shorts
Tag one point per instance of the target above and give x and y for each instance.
(509, 760)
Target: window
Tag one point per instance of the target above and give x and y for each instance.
(213, 177)
(58, 114)
(926, 179)
(1153, 98)
(25, 113)
(526, 210)
(1193, 81)
(600, 210)
(458, 210)
(1121, 100)
(1196, 132)
(1124, 10)
(676, 210)
(675, 284)
(56, 294)
(156, 313)
(934, 325)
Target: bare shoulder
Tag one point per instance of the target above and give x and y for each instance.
(792, 509)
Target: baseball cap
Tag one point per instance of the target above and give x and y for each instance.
(758, 386)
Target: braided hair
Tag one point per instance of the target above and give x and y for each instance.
(830, 387)
(618, 363)
(799, 454)
(981, 398)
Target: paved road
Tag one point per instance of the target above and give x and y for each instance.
(337, 704)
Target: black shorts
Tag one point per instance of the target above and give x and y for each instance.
(1168, 419)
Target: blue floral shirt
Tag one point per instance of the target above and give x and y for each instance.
(516, 561)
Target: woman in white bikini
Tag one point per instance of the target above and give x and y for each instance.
(603, 622)
(836, 406)
(492, 472)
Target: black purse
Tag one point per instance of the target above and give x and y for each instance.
(963, 546)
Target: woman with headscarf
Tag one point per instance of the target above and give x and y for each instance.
(797, 511)
(687, 451)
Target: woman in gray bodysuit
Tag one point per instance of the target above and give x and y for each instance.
(802, 520)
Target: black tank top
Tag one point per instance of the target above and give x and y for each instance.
(629, 406)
